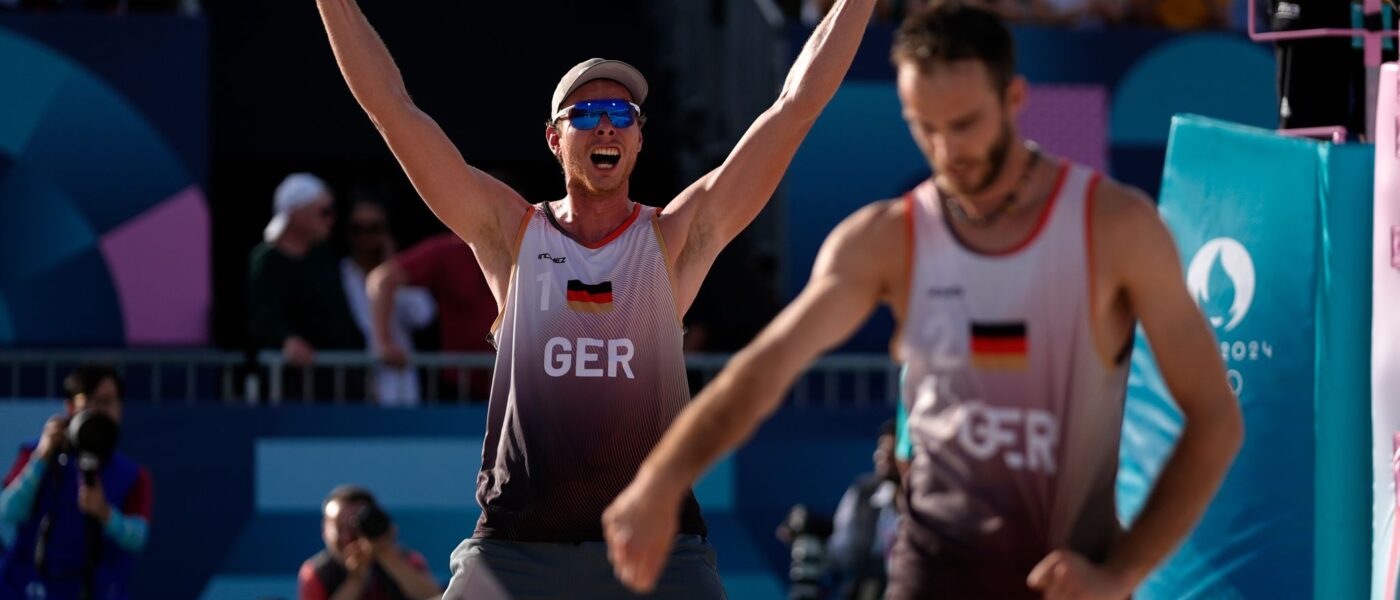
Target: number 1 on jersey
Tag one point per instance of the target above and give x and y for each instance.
(544, 280)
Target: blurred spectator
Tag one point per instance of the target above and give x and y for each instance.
(370, 246)
(1067, 13)
(446, 267)
(362, 559)
(77, 531)
(1184, 14)
(863, 529)
(296, 297)
(1173, 14)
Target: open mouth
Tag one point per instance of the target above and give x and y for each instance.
(605, 158)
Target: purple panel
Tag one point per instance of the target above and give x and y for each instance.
(1069, 120)
(160, 264)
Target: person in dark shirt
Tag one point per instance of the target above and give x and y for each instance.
(296, 298)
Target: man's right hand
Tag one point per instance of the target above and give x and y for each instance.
(358, 560)
(640, 527)
(51, 440)
(296, 351)
(392, 354)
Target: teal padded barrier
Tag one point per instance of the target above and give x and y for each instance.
(1343, 510)
(1262, 243)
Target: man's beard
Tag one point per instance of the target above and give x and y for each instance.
(996, 162)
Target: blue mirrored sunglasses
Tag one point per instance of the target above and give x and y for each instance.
(586, 115)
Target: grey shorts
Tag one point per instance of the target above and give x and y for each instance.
(485, 569)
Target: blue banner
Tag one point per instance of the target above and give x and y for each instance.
(103, 171)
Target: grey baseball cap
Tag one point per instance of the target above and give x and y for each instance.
(297, 191)
(598, 68)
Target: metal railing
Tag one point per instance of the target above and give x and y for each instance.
(195, 374)
(234, 378)
(349, 371)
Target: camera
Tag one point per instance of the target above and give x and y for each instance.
(806, 533)
(93, 435)
(372, 521)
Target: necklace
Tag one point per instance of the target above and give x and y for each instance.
(993, 215)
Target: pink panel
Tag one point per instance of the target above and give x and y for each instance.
(1385, 333)
(1069, 120)
(159, 262)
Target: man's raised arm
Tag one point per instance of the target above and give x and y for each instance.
(480, 209)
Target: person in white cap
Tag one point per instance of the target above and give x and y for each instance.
(296, 300)
(591, 290)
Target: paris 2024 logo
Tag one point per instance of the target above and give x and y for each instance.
(1221, 278)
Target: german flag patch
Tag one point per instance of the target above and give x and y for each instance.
(592, 298)
(999, 346)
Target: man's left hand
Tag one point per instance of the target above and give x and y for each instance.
(92, 501)
(382, 546)
(1065, 575)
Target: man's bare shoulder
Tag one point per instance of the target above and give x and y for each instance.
(872, 245)
(1123, 215)
(1117, 203)
(879, 223)
(1132, 241)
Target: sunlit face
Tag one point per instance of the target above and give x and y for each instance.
(338, 527)
(104, 399)
(960, 121)
(602, 158)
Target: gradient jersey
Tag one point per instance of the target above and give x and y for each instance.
(1013, 414)
(589, 374)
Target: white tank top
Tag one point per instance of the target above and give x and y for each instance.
(1014, 416)
(589, 373)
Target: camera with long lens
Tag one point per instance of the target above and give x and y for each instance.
(807, 534)
(372, 521)
(92, 436)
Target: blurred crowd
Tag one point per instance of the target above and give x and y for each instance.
(1172, 14)
(304, 297)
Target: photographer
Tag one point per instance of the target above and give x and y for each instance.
(362, 560)
(80, 510)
